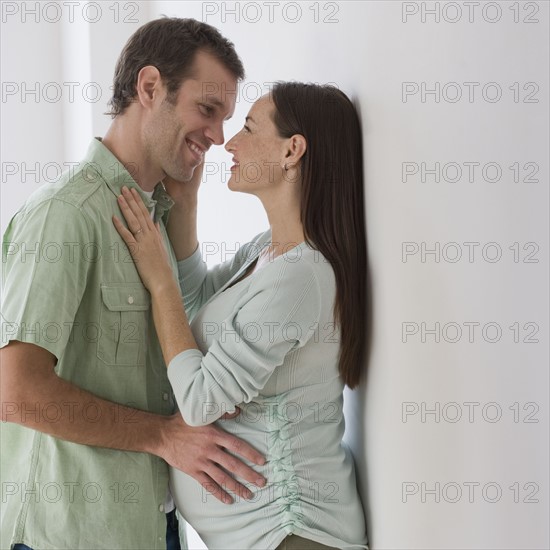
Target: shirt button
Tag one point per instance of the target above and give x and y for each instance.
(161, 508)
(130, 299)
(165, 396)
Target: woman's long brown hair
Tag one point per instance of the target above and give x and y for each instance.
(332, 207)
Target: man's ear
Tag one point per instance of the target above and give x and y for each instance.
(149, 86)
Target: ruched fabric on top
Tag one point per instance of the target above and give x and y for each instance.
(287, 494)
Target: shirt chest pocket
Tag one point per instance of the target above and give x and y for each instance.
(123, 324)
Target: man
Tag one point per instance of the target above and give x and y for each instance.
(81, 365)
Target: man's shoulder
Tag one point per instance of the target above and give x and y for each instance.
(63, 204)
(73, 189)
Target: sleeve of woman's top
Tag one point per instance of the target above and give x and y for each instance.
(278, 314)
(198, 283)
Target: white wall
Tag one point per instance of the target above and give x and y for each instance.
(369, 50)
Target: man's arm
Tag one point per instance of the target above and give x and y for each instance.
(28, 380)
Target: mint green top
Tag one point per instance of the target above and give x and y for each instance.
(268, 344)
(70, 286)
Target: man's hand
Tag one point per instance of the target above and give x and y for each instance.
(202, 453)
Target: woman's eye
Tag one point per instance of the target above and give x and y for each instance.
(246, 128)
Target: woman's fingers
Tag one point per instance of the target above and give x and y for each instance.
(134, 200)
(133, 223)
(141, 205)
(126, 235)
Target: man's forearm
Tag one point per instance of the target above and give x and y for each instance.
(63, 410)
(31, 390)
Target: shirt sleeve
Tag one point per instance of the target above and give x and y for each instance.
(43, 274)
(279, 313)
(198, 283)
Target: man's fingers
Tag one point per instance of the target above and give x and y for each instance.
(210, 486)
(239, 447)
(212, 462)
(227, 482)
(239, 469)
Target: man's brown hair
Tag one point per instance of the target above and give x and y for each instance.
(170, 45)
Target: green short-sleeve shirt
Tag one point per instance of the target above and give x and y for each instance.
(69, 285)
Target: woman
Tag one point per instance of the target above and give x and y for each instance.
(279, 329)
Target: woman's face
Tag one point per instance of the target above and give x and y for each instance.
(258, 151)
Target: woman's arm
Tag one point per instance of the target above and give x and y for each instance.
(182, 220)
(145, 242)
(278, 315)
(171, 322)
(285, 311)
(197, 283)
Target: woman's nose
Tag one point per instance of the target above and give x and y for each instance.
(230, 145)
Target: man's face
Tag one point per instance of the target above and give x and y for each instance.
(178, 133)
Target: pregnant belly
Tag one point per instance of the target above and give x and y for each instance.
(244, 524)
(252, 523)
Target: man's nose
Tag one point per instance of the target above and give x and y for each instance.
(215, 134)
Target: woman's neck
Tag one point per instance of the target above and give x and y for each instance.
(287, 230)
(285, 235)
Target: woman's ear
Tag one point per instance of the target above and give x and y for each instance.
(149, 85)
(295, 150)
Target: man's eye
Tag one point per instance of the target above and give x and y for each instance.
(207, 109)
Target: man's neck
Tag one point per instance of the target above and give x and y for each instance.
(124, 141)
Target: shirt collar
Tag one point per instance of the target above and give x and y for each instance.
(101, 162)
